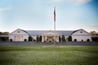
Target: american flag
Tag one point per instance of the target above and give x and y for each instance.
(54, 15)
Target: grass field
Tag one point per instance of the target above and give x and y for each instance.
(48, 55)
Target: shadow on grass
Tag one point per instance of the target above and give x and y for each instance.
(92, 59)
(5, 58)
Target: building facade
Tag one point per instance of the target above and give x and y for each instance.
(81, 35)
(49, 36)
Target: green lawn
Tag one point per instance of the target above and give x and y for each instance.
(49, 55)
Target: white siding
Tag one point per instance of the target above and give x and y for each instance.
(80, 38)
(81, 35)
(18, 35)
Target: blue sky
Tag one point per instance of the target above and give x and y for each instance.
(38, 14)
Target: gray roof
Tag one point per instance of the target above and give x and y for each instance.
(66, 33)
(4, 36)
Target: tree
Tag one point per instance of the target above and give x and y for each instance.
(40, 38)
(63, 38)
(93, 32)
(4, 33)
(37, 38)
(95, 39)
(30, 38)
(69, 38)
(0, 33)
(59, 39)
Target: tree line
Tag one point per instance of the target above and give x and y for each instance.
(4, 33)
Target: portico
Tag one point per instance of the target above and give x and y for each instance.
(50, 37)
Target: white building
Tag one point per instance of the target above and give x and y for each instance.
(18, 35)
(49, 36)
(81, 35)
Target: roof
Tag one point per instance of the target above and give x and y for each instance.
(66, 33)
(59, 32)
(4, 36)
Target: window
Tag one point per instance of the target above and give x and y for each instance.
(75, 40)
(25, 40)
(18, 31)
(11, 40)
(88, 40)
(81, 40)
(81, 32)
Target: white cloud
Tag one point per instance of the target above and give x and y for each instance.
(77, 2)
(80, 2)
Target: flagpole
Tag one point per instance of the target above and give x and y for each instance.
(54, 19)
(54, 26)
(54, 22)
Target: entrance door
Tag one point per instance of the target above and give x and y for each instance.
(50, 38)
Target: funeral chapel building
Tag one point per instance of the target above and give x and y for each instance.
(49, 36)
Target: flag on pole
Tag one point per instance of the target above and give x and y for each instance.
(54, 19)
(54, 15)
